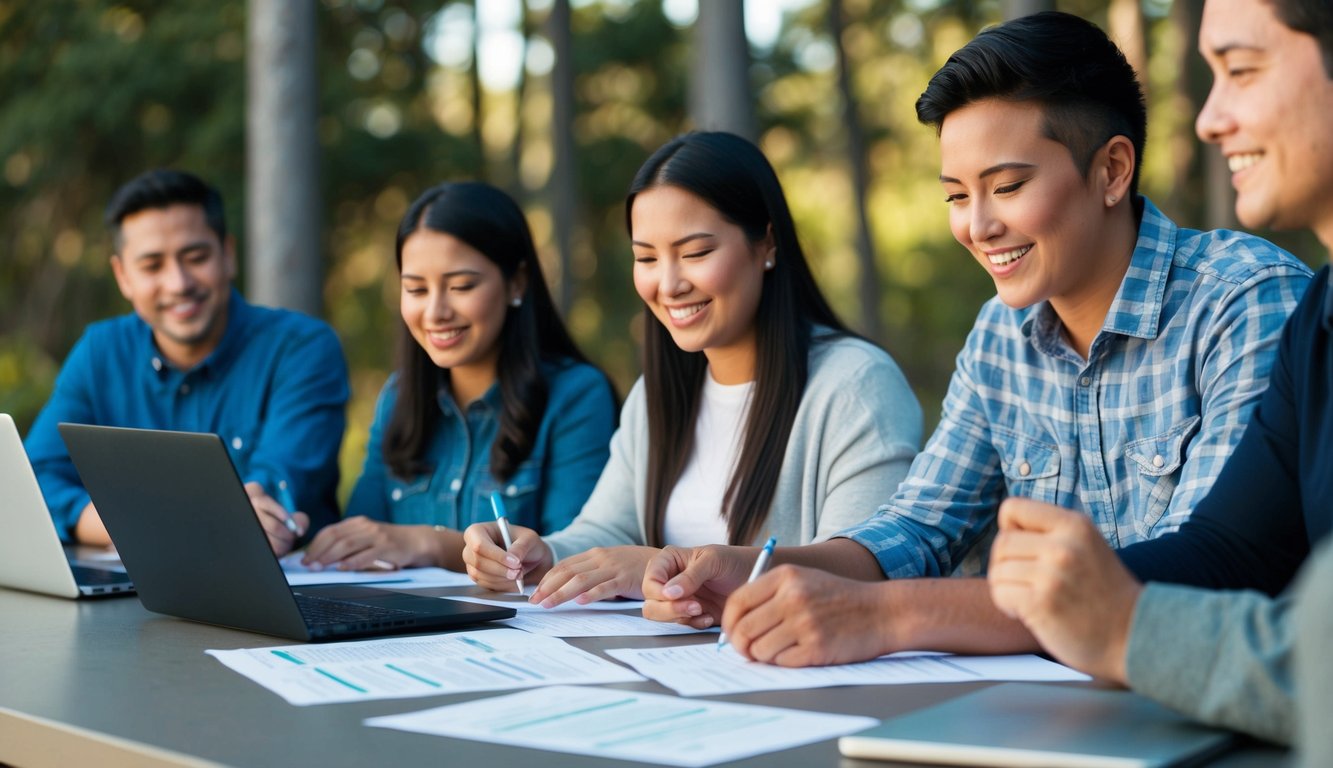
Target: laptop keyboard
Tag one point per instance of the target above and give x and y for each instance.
(321, 610)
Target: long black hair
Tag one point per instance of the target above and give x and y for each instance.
(733, 177)
(490, 221)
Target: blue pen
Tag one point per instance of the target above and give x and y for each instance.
(498, 507)
(760, 565)
(288, 506)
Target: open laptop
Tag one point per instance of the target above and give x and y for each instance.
(31, 555)
(1041, 726)
(180, 517)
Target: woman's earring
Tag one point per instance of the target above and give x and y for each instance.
(1110, 199)
(768, 265)
(517, 301)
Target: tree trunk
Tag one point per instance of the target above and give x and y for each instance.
(720, 97)
(1202, 191)
(869, 287)
(563, 188)
(282, 157)
(1125, 19)
(474, 75)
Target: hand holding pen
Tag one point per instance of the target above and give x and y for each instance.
(282, 524)
(498, 507)
(760, 565)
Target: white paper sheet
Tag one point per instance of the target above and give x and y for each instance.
(520, 603)
(593, 624)
(703, 670)
(303, 576)
(365, 670)
(628, 725)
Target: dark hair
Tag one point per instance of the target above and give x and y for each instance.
(732, 176)
(161, 188)
(1066, 64)
(490, 221)
(1314, 18)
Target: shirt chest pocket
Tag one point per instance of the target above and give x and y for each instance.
(1031, 467)
(410, 501)
(519, 494)
(1156, 462)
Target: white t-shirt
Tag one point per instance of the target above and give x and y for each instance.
(694, 511)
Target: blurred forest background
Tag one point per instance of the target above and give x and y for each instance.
(556, 101)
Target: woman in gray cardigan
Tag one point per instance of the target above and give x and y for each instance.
(758, 412)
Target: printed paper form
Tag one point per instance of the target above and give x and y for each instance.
(366, 670)
(703, 670)
(593, 624)
(627, 725)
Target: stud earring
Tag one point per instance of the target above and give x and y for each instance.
(768, 265)
(516, 302)
(1110, 199)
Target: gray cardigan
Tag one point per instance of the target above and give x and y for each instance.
(854, 436)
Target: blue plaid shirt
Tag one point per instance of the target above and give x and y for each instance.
(1133, 436)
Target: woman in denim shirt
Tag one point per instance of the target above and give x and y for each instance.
(758, 412)
(490, 395)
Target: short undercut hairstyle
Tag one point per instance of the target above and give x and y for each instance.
(162, 188)
(1068, 65)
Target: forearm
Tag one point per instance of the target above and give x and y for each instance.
(1219, 657)
(953, 615)
(842, 557)
(445, 546)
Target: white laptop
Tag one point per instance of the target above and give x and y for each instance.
(31, 555)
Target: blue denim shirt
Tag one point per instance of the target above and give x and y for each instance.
(546, 492)
(275, 390)
(1133, 436)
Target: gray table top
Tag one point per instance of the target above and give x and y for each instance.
(111, 667)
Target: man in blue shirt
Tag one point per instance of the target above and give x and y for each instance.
(1226, 657)
(1112, 375)
(194, 356)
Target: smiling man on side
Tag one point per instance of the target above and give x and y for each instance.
(1220, 630)
(1112, 375)
(194, 356)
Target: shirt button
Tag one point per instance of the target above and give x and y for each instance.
(237, 443)
(185, 389)
(1085, 381)
(511, 490)
(397, 494)
(1025, 469)
(1158, 461)
(157, 364)
(456, 485)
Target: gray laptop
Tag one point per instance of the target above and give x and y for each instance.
(31, 555)
(1041, 726)
(179, 515)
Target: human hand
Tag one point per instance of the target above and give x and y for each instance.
(361, 544)
(273, 516)
(598, 574)
(689, 585)
(492, 567)
(802, 617)
(1051, 569)
(89, 529)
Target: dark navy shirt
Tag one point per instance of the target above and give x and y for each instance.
(1274, 497)
(546, 491)
(275, 390)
